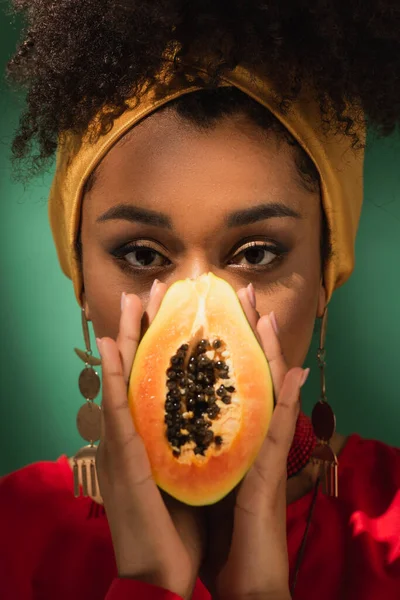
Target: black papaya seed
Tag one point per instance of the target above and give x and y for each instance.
(203, 360)
(208, 437)
(201, 407)
(213, 411)
(190, 403)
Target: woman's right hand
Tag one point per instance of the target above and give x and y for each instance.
(151, 543)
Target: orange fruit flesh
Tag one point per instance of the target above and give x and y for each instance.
(192, 310)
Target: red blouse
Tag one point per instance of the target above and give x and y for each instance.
(54, 547)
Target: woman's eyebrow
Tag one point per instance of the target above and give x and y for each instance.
(128, 212)
(259, 213)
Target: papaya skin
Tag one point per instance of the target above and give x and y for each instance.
(191, 310)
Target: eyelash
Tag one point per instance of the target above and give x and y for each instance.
(278, 249)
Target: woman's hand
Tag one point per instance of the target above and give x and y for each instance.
(247, 549)
(151, 543)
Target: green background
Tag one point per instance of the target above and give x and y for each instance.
(40, 319)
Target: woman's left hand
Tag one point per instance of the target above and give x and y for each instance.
(247, 556)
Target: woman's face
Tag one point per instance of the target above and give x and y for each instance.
(170, 202)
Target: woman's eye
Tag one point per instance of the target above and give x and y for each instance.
(141, 257)
(255, 256)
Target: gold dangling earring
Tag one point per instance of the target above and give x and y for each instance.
(88, 422)
(324, 424)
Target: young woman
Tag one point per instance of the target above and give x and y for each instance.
(197, 137)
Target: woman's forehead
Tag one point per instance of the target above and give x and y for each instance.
(167, 164)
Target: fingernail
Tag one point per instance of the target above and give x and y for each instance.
(153, 287)
(251, 295)
(274, 322)
(123, 298)
(304, 378)
(98, 343)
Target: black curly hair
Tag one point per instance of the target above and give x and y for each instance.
(76, 57)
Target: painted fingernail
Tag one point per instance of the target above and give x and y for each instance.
(98, 343)
(153, 287)
(123, 298)
(274, 322)
(304, 378)
(251, 295)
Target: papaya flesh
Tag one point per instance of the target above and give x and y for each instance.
(200, 391)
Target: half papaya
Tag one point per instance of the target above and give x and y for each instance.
(200, 391)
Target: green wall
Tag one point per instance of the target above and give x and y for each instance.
(40, 320)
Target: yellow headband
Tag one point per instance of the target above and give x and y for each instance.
(340, 169)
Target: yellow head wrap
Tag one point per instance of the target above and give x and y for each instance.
(340, 169)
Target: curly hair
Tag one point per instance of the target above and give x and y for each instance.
(76, 57)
